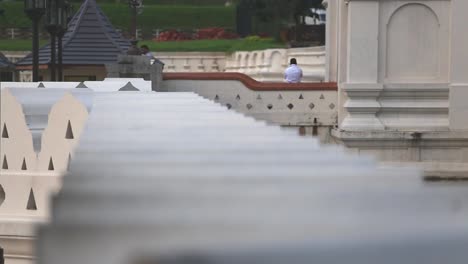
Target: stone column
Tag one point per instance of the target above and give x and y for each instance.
(459, 67)
(331, 40)
(361, 86)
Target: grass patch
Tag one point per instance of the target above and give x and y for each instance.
(172, 17)
(153, 16)
(19, 44)
(219, 45)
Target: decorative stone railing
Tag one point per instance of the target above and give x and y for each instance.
(262, 65)
(269, 65)
(182, 175)
(108, 85)
(39, 130)
(307, 105)
(192, 61)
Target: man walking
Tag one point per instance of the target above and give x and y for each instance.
(293, 73)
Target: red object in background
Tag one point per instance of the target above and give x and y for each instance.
(204, 33)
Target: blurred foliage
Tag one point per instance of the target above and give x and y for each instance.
(153, 16)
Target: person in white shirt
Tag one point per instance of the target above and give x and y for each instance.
(293, 73)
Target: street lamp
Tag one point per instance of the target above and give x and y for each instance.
(63, 17)
(135, 8)
(34, 9)
(52, 25)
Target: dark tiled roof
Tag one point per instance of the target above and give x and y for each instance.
(90, 39)
(5, 63)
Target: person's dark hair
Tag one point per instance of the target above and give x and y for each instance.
(144, 47)
(293, 61)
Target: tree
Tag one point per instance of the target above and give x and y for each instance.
(273, 15)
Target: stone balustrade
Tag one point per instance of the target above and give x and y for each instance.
(39, 130)
(192, 61)
(269, 65)
(195, 177)
(308, 105)
(311, 106)
(262, 65)
(220, 185)
(108, 85)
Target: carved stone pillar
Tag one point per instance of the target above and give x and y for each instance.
(361, 83)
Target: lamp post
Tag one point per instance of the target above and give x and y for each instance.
(135, 8)
(52, 25)
(34, 9)
(63, 13)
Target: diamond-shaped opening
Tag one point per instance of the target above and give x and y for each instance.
(311, 106)
(5, 131)
(23, 166)
(69, 132)
(332, 105)
(5, 163)
(269, 106)
(2, 195)
(238, 97)
(249, 106)
(51, 164)
(228, 106)
(290, 106)
(31, 201)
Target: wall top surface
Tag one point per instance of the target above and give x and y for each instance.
(251, 83)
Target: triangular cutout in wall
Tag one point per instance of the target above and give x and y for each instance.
(69, 133)
(51, 164)
(31, 201)
(23, 166)
(5, 131)
(81, 85)
(5, 163)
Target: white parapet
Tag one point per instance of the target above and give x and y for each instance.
(40, 128)
(269, 65)
(180, 174)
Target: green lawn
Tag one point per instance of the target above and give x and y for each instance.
(18, 44)
(193, 45)
(220, 45)
(153, 16)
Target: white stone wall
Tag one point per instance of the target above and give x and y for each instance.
(192, 61)
(269, 65)
(393, 63)
(39, 130)
(262, 65)
(282, 107)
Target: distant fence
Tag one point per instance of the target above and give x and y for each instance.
(26, 33)
(20, 33)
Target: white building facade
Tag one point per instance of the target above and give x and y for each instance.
(401, 68)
